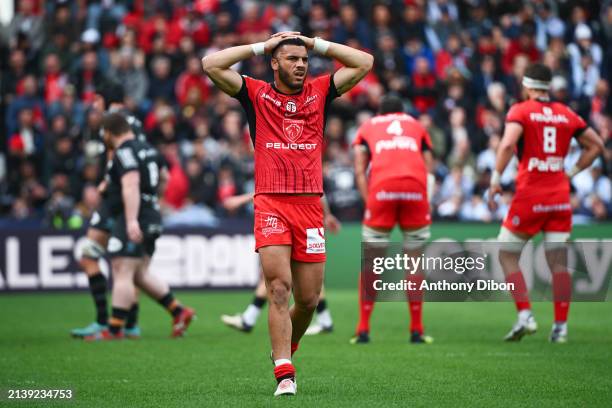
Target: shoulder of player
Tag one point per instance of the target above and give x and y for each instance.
(319, 84)
(253, 83)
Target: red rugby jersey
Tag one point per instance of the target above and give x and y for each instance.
(548, 128)
(287, 133)
(395, 142)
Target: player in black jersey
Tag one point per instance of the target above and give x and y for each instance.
(134, 177)
(101, 223)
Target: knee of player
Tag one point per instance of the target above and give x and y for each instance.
(307, 302)
(280, 291)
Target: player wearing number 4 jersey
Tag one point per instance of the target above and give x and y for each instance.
(286, 120)
(541, 131)
(397, 150)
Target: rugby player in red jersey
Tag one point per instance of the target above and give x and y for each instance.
(286, 120)
(540, 131)
(397, 150)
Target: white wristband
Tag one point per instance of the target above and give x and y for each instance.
(320, 45)
(573, 171)
(431, 185)
(258, 48)
(495, 178)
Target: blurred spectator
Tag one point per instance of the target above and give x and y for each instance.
(445, 24)
(524, 45)
(285, 20)
(68, 107)
(27, 143)
(28, 99)
(350, 25)
(26, 28)
(453, 55)
(191, 84)
(54, 81)
(423, 87)
(129, 71)
(162, 81)
(88, 78)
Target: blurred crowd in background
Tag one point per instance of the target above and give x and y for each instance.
(457, 65)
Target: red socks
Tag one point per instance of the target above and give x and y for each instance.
(294, 347)
(562, 293)
(520, 294)
(365, 309)
(283, 371)
(415, 304)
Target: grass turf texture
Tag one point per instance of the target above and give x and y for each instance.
(468, 365)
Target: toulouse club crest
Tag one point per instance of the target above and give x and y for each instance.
(292, 128)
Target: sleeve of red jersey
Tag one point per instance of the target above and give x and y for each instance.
(326, 85)
(515, 114)
(248, 84)
(359, 137)
(578, 123)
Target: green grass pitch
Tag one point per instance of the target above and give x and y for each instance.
(468, 365)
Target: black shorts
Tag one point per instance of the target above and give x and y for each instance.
(120, 245)
(102, 219)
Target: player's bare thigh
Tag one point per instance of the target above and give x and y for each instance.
(124, 270)
(276, 268)
(307, 282)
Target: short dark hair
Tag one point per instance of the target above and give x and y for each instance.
(539, 72)
(391, 104)
(116, 124)
(289, 41)
(112, 92)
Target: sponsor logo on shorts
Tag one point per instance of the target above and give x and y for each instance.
(315, 241)
(540, 208)
(398, 195)
(270, 224)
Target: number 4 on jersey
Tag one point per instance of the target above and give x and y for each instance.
(395, 128)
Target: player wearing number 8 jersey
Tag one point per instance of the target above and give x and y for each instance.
(286, 120)
(540, 131)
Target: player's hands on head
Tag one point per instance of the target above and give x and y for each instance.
(332, 224)
(134, 232)
(276, 38)
(308, 41)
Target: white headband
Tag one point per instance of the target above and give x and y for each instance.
(535, 84)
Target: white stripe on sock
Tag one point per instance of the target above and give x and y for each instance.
(281, 361)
